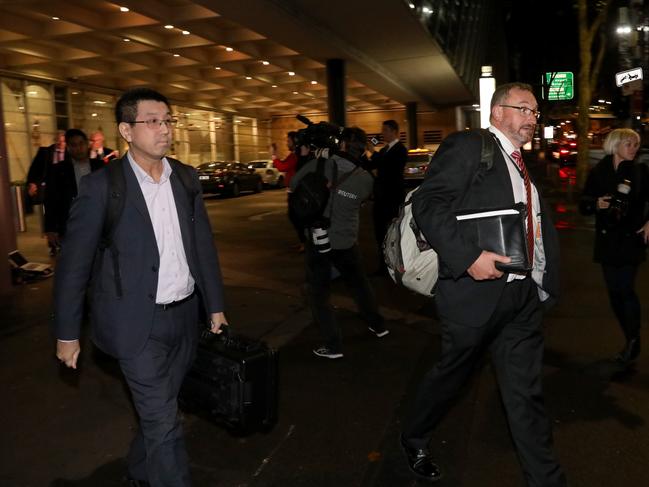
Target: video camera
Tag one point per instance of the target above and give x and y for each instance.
(321, 135)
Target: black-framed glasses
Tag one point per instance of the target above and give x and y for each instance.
(156, 123)
(525, 111)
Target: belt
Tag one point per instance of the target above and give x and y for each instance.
(173, 304)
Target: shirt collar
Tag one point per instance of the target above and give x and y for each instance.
(141, 174)
(393, 143)
(504, 141)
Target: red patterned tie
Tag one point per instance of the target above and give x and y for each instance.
(518, 159)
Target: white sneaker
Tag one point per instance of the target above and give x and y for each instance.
(326, 353)
(379, 334)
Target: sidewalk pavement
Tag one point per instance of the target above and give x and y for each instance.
(339, 420)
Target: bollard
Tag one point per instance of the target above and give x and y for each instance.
(18, 203)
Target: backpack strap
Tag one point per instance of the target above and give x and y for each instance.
(114, 209)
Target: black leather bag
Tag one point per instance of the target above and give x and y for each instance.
(233, 382)
(499, 230)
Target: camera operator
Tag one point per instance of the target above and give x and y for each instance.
(617, 191)
(333, 242)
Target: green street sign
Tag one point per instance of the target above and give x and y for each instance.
(560, 86)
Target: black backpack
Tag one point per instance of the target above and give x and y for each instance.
(115, 206)
(311, 195)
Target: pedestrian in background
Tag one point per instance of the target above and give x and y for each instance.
(617, 192)
(389, 191)
(482, 308)
(62, 183)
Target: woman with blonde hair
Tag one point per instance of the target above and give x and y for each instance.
(617, 191)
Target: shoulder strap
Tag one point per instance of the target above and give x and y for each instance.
(115, 201)
(114, 209)
(487, 151)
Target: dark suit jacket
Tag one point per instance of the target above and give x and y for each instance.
(448, 187)
(121, 326)
(388, 185)
(61, 189)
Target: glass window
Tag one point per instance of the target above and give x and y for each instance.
(17, 136)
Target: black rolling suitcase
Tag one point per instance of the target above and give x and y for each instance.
(233, 382)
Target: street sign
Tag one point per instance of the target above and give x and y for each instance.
(560, 85)
(628, 76)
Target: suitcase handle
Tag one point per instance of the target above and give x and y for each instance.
(230, 341)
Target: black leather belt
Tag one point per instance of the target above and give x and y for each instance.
(173, 304)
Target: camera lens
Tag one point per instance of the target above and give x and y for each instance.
(320, 238)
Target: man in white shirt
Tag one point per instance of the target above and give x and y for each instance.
(480, 307)
(146, 287)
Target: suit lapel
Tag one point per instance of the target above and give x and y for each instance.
(134, 194)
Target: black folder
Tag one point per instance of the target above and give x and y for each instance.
(499, 230)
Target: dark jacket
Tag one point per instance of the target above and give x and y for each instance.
(449, 187)
(61, 190)
(121, 326)
(617, 243)
(388, 184)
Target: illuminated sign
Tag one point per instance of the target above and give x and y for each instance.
(628, 76)
(560, 86)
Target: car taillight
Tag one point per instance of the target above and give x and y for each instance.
(564, 151)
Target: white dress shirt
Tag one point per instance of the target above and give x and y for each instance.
(520, 196)
(392, 144)
(175, 282)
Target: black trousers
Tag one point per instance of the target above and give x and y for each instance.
(620, 283)
(295, 221)
(318, 279)
(514, 337)
(158, 454)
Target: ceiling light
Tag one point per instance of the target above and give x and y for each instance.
(217, 67)
(94, 114)
(32, 93)
(248, 77)
(291, 73)
(274, 86)
(99, 102)
(123, 9)
(186, 32)
(411, 5)
(169, 26)
(229, 49)
(56, 18)
(237, 121)
(265, 63)
(75, 92)
(126, 39)
(314, 82)
(176, 55)
(295, 92)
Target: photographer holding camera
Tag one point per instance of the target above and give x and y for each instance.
(617, 191)
(332, 240)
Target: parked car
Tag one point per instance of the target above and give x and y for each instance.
(416, 165)
(270, 175)
(564, 152)
(231, 178)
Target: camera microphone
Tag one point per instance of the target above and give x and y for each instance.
(304, 119)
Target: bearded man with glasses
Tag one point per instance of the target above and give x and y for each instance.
(146, 287)
(481, 308)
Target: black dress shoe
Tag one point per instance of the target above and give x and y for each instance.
(630, 352)
(421, 463)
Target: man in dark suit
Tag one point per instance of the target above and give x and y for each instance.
(145, 303)
(45, 157)
(481, 308)
(62, 183)
(389, 191)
